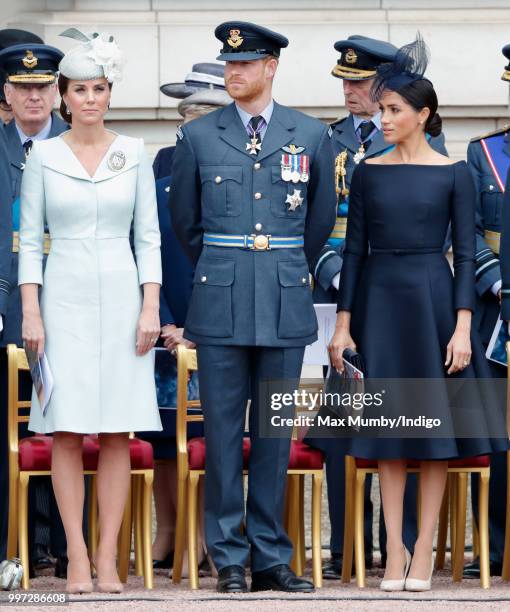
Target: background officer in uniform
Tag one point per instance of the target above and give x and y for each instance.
(206, 79)
(5, 272)
(353, 138)
(488, 159)
(30, 90)
(253, 204)
(9, 37)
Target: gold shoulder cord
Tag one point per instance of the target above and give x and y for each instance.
(340, 174)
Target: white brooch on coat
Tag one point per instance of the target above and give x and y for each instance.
(116, 161)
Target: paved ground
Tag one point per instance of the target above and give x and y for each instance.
(333, 596)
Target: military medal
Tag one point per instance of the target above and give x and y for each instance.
(116, 161)
(294, 200)
(304, 173)
(360, 154)
(286, 168)
(295, 174)
(254, 145)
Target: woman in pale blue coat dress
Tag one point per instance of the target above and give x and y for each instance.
(99, 311)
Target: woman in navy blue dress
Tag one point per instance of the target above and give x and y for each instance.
(400, 307)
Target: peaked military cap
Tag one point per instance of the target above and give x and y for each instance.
(506, 74)
(13, 36)
(360, 57)
(243, 41)
(30, 63)
(202, 76)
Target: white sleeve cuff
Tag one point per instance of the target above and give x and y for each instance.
(496, 287)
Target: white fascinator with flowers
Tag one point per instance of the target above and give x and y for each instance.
(97, 56)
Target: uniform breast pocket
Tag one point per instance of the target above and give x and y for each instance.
(210, 308)
(297, 315)
(222, 190)
(280, 189)
(491, 199)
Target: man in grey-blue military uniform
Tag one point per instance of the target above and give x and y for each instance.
(5, 232)
(30, 89)
(354, 137)
(488, 158)
(254, 204)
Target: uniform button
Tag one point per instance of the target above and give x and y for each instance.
(218, 179)
(257, 166)
(258, 226)
(491, 187)
(303, 280)
(203, 279)
(258, 195)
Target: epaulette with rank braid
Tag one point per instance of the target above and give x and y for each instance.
(500, 130)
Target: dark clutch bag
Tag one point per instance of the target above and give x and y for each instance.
(342, 387)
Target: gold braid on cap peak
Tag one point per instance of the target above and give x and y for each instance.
(341, 70)
(31, 78)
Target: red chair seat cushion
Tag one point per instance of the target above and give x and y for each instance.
(478, 462)
(301, 457)
(466, 462)
(196, 453)
(35, 453)
(304, 457)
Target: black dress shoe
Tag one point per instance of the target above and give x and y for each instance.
(472, 570)
(61, 567)
(231, 580)
(165, 563)
(332, 569)
(42, 558)
(280, 578)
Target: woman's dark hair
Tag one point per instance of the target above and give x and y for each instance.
(421, 94)
(63, 84)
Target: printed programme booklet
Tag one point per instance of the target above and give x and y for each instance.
(41, 377)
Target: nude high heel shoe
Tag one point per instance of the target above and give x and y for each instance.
(397, 585)
(417, 584)
(74, 588)
(107, 587)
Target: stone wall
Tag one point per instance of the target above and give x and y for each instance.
(163, 38)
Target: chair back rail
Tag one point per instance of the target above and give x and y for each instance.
(16, 362)
(186, 364)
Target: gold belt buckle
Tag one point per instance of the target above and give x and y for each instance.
(260, 242)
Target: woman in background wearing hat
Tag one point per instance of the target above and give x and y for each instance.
(400, 208)
(99, 311)
(203, 91)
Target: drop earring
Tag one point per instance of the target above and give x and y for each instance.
(67, 110)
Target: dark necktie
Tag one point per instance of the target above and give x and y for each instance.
(27, 146)
(255, 125)
(365, 130)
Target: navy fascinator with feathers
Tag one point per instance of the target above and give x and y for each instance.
(409, 65)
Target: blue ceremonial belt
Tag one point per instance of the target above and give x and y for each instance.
(255, 242)
(15, 215)
(499, 161)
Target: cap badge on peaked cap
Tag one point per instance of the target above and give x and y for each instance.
(235, 40)
(351, 57)
(30, 60)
